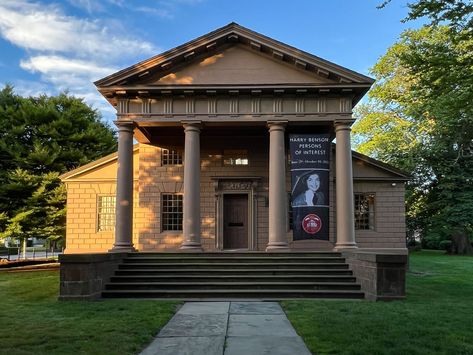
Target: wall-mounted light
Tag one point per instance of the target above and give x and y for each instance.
(393, 184)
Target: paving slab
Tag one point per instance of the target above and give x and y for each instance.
(186, 346)
(255, 308)
(249, 325)
(193, 325)
(266, 345)
(230, 328)
(205, 308)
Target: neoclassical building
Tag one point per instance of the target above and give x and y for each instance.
(210, 168)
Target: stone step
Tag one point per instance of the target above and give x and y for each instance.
(240, 254)
(233, 259)
(238, 275)
(157, 286)
(232, 271)
(241, 265)
(232, 278)
(224, 294)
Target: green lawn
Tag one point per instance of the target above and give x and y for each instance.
(34, 322)
(436, 317)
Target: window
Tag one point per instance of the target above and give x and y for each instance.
(171, 212)
(105, 213)
(171, 157)
(364, 211)
(235, 157)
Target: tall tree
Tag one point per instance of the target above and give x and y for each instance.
(41, 138)
(421, 109)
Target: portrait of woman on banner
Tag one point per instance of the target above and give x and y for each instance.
(308, 189)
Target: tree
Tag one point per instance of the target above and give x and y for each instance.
(422, 113)
(41, 138)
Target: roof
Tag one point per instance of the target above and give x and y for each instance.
(93, 165)
(231, 34)
(401, 175)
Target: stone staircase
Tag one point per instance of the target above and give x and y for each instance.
(233, 275)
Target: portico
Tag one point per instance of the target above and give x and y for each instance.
(231, 80)
(230, 128)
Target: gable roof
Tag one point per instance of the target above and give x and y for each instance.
(94, 165)
(393, 171)
(224, 37)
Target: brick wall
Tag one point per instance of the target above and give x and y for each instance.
(390, 223)
(152, 179)
(81, 228)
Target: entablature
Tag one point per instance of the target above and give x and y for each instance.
(235, 104)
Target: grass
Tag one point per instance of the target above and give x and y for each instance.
(34, 322)
(436, 317)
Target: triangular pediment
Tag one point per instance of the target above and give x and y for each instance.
(240, 66)
(233, 55)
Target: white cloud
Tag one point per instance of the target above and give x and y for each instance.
(154, 11)
(68, 52)
(72, 75)
(30, 88)
(88, 5)
(46, 28)
(56, 65)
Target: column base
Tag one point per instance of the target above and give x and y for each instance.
(122, 249)
(277, 246)
(191, 246)
(343, 246)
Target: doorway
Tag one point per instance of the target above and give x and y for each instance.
(235, 221)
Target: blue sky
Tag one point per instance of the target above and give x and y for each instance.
(47, 46)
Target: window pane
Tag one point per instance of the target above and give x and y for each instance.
(364, 211)
(171, 213)
(235, 157)
(171, 157)
(105, 213)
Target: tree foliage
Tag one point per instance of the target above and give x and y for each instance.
(41, 138)
(419, 117)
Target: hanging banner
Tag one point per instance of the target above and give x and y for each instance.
(310, 165)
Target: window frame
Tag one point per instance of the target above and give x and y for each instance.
(163, 213)
(234, 155)
(99, 213)
(371, 213)
(171, 157)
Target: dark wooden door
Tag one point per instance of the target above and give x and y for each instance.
(235, 221)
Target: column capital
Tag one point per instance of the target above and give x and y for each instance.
(343, 125)
(125, 125)
(192, 126)
(276, 125)
(191, 123)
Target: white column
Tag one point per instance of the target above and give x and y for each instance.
(277, 188)
(344, 185)
(191, 212)
(124, 195)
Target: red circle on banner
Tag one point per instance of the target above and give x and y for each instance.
(311, 223)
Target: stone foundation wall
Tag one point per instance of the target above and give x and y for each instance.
(83, 276)
(382, 274)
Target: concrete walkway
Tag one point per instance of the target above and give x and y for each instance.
(230, 328)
